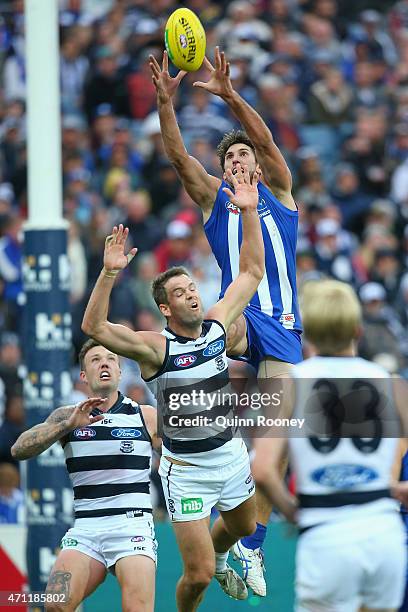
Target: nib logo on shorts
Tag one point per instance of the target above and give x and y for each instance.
(191, 505)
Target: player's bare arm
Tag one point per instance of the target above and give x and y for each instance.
(150, 417)
(201, 186)
(275, 171)
(59, 423)
(252, 254)
(148, 348)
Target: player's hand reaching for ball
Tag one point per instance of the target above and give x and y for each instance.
(219, 82)
(81, 414)
(114, 258)
(245, 194)
(165, 85)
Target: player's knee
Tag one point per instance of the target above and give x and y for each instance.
(199, 578)
(248, 528)
(136, 602)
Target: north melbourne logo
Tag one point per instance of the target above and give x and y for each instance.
(232, 208)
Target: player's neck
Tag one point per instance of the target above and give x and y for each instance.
(111, 399)
(186, 332)
(350, 351)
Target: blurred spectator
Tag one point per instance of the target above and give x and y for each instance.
(10, 266)
(330, 100)
(105, 85)
(382, 330)
(11, 497)
(175, 250)
(349, 197)
(144, 230)
(12, 426)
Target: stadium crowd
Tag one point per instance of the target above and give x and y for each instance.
(329, 77)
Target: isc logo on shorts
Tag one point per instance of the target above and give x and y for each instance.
(184, 361)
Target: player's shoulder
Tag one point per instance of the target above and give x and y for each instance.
(340, 367)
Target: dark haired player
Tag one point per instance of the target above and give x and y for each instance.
(203, 464)
(268, 332)
(110, 475)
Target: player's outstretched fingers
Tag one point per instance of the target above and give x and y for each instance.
(154, 66)
(223, 61)
(217, 58)
(239, 175)
(247, 178)
(165, 63)
(208, 64)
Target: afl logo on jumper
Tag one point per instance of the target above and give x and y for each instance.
(214, 348)
(84, 433)
(126, 432)
(184, 361)
(232, 208)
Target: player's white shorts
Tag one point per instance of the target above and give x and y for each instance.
(192, 491)
(110, 538)
(344, 565)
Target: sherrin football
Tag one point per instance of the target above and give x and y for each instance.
(184, 38)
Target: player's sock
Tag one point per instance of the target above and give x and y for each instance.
(257, 539)
(221, 562)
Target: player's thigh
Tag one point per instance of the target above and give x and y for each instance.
(196, 547)
(74, 575)
(329, 572)
(136, 576)
(386, 561)
(241, 521)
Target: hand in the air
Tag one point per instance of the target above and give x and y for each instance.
(165, 85)
(114, 257)
(245, 194)
(219, 82)
(81, 414)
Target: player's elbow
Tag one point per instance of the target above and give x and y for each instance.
(257, 272)
(86, 326)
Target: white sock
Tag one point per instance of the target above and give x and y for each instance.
(221, 562)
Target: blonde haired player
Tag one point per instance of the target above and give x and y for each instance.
(351, 550)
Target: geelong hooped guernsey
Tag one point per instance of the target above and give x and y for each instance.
(195, 399)
(341, 473)
(276, 295)
(109, 463)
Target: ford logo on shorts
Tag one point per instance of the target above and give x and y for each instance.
(84, 433)
(214, 348)
(183, 361)
(343, 475)
(126, 432)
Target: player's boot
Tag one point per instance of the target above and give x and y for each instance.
(231, 583)
(252, 566)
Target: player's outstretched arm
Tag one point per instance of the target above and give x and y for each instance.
(201, 186)
(146, 347)
(274, 168)
(59, 423)
(252, 254)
